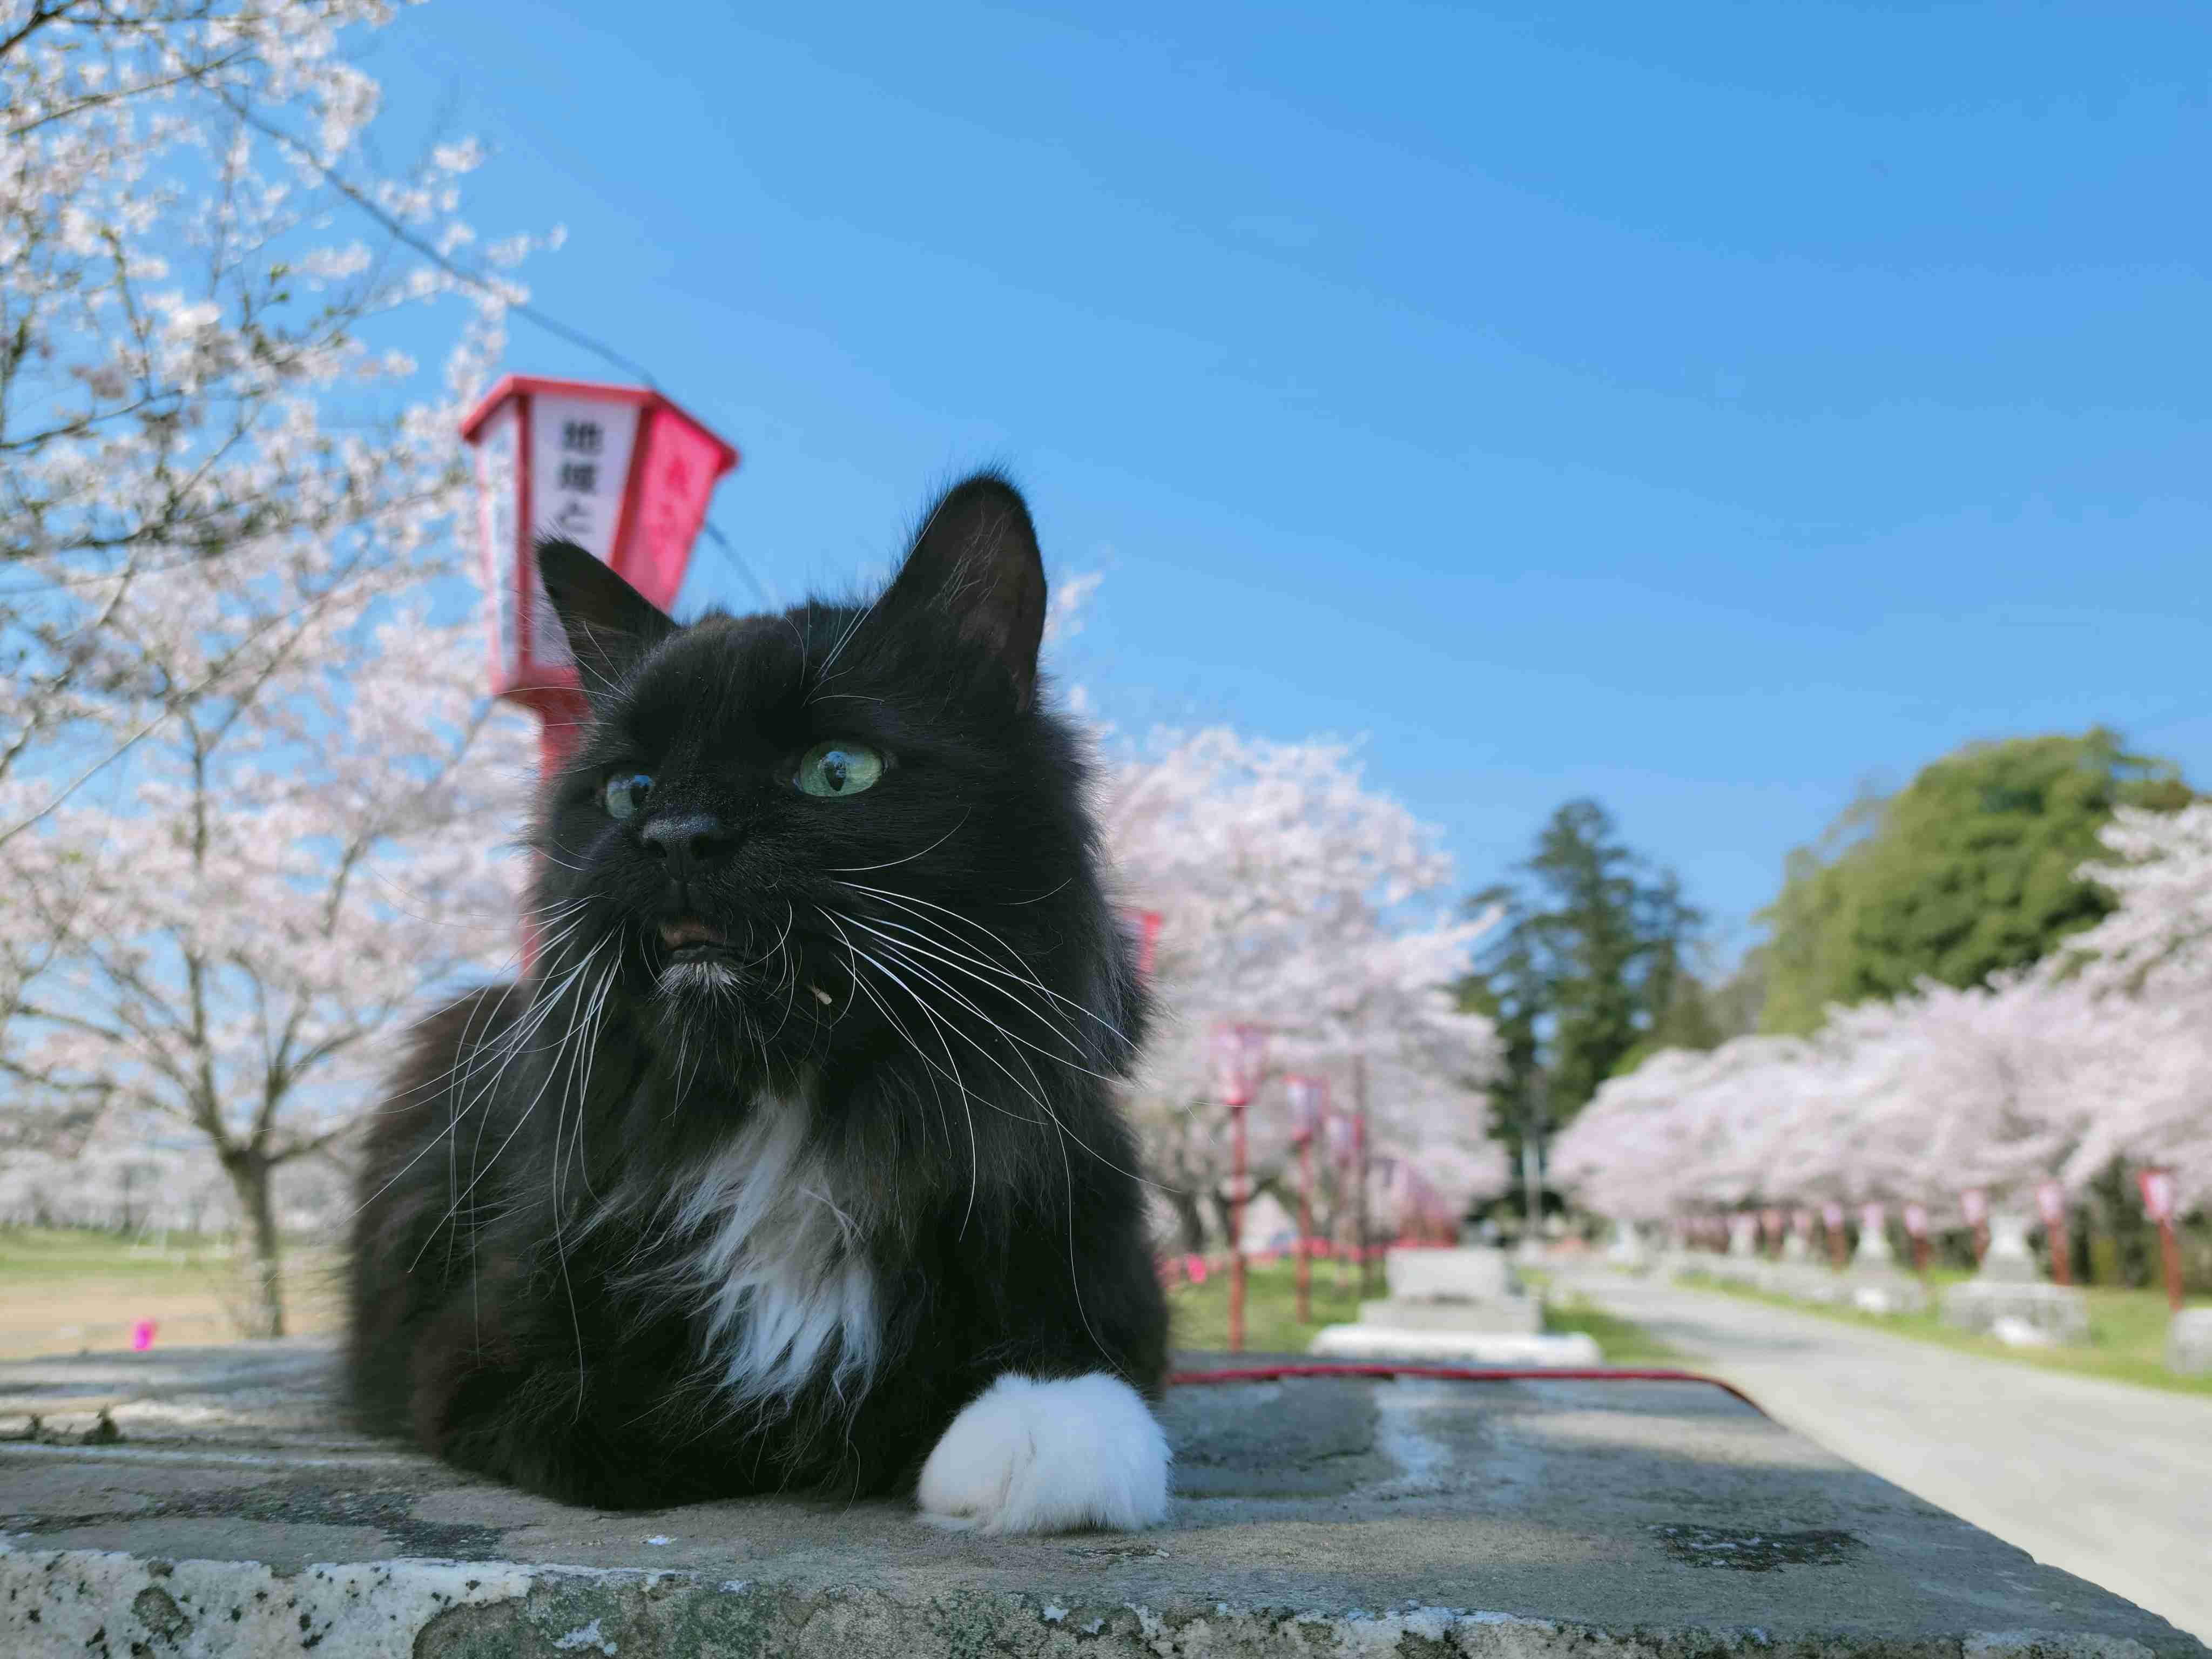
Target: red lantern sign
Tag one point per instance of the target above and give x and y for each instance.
(619, 471)
(1239, 1053)
(2050, 1202)
(2157, 1188)
(1143, 927)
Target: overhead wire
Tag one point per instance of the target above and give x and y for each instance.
(537, 316)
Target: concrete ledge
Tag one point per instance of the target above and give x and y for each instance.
(110, 1604)
(188, 1503)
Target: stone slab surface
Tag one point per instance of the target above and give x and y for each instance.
(188, 1503)
(1521, 1314)
(1450, 1347)
(1469, 1274)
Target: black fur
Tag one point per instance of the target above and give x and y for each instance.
(512, 1307)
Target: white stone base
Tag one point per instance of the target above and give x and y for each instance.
(2060, 1313)
(2189, 1342)
(1505, 1316)
(1891, 1292)
(1454, 1347)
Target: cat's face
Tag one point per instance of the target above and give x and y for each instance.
(804, 834)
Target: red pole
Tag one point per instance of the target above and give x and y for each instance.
(1306, 1229)
(1237, 1236)
(1359, 1171)
(2062, 1258)
(562, 716)
(2158, 1201)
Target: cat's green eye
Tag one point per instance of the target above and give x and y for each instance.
(838, 768)
(625, 793)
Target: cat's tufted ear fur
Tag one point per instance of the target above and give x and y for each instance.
(976, 563)
(610, 623)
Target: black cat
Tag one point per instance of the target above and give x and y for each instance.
(793, 1162)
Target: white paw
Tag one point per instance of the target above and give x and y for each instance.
(1035, 1456)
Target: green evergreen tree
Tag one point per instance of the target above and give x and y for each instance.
(1588, 962)
(1968, 871)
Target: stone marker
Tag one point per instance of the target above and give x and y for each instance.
(1465, 1305)
(1875, 1284)
(2009, 1295)
(2189, 1342)
(1625, 1250)
(179, 1502)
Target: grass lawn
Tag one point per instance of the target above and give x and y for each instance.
(1200, 1316)
(62, 1290)
(2127, 1333)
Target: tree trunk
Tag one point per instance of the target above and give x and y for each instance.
(1190, 1219)
(262, 1315)
(1222, 1206)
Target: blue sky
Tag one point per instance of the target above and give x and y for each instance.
(1709, 408)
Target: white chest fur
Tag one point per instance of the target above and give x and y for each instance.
(777, 1263)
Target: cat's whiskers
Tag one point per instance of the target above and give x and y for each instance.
(922, 1003)
(862, 869)
(546, 1001)
(500, 1052)
(579, 1071)
(907, 903)
(790, 971)
(932, 1070)
(1067, 1168)
(470, 1059)
(487, 1166)
(946, 952)
(906, 957)
(587, 1050)
(952, 1072)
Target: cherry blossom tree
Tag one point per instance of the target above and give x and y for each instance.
(189, 370)
(1294, 895)
(250, 795)
(2149, 964)
(285, 879)
(2102, 1053)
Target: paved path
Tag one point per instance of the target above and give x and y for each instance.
(2107, 1481)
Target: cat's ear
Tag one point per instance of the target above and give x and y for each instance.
(975, 563)
(610, 623)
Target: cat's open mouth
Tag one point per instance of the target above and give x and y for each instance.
(688, 936)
